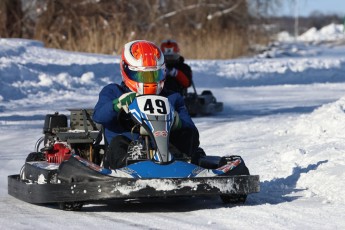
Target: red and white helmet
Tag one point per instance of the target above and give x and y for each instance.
(170, 49)
(142, 67)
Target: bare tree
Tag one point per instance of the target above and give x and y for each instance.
(203, 28)
(11, 16)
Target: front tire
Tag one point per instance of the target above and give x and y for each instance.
(71, 206)
(233, 198)
(240, 169)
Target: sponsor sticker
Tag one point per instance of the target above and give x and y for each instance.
(160, 133)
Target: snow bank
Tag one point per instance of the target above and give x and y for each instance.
(329, 33)
(323, 137)
(27, 68)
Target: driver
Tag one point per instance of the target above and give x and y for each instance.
(143, 72)
(178, 74)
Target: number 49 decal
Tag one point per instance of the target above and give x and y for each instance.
(153, 105)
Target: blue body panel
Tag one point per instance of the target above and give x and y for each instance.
(150, 169)
(176, 169)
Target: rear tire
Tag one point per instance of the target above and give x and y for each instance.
(35, 156)
(206, 92)
(22, 173)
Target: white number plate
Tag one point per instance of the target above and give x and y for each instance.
(153, 105)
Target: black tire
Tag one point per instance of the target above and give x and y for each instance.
(233, 198)
(206, 92)
(35, 156)
(71, 206)
(239, 170)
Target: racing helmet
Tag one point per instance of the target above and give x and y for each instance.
(142, 67)
(170, 50)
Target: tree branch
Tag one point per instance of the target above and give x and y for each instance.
(222, 12)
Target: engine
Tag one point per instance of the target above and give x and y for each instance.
(58, 153)
(82, 137)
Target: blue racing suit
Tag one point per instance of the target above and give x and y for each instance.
(105, 114)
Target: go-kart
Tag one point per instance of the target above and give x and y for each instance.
(202, 104)
(68, 169)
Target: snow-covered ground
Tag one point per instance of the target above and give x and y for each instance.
(283, 113)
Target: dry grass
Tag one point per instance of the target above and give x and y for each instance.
(104, 26)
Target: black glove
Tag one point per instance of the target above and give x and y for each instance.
(172, 72)
(177, 122)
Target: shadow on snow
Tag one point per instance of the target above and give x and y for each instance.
(282, 190)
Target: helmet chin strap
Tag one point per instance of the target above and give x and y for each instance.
(160, 87)
(140, 88)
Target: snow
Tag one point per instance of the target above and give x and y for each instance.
(283, 113)
(331, 32)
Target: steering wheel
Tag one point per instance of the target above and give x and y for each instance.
(125, 120)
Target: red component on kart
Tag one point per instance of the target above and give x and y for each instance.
(58, 154)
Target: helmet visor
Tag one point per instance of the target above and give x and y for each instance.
(171, 57)
(153, 76)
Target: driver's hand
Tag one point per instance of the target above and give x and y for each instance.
(123, 101)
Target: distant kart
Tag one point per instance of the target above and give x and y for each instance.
(202, 104)
(68, 169)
